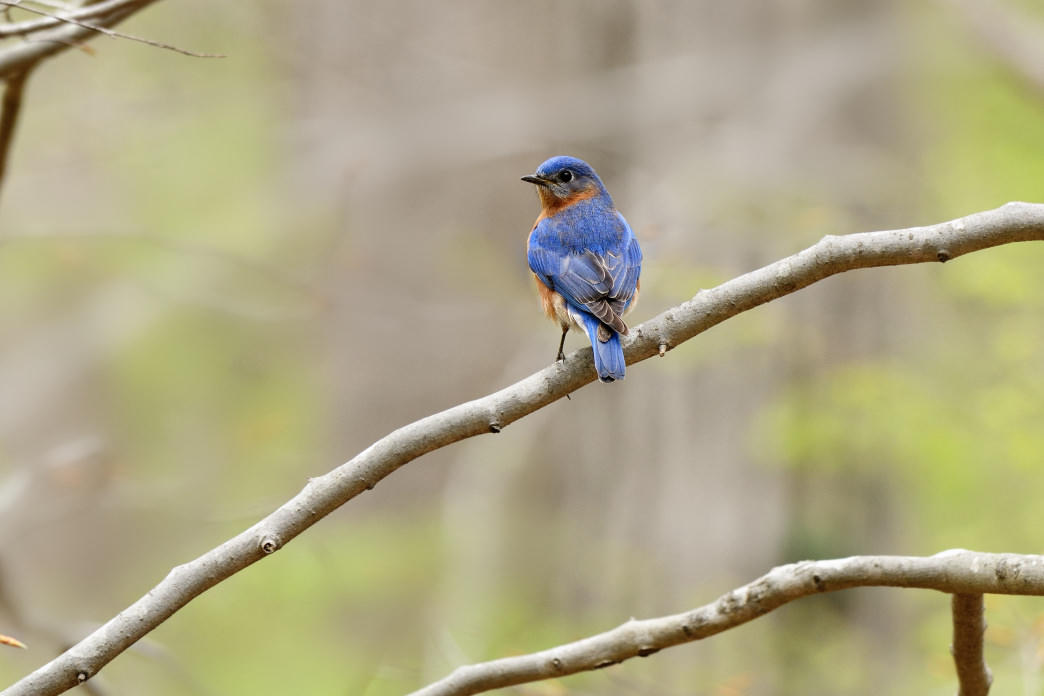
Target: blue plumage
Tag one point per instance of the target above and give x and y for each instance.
(585, 258)
(608, 355)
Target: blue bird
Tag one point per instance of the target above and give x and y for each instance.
(585, 258)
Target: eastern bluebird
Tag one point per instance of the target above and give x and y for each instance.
(585, 258)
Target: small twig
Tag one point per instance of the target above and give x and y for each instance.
(53, 20)
(969, 626)
(63, 6)
(9, 110)
(69, 19)
(44, 44)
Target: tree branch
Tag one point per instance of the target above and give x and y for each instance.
(966, 573)
(969, 626)
(69, 18)
(40, 41)
(44, 44)
(9, 111)
(52, 20)
(1014, 222)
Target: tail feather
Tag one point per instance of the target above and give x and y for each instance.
(608, 354)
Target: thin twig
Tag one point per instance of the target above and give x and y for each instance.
(57, 18)
(969, 627)
(44, 44)
(63, 6)
(69, 19)
(9, 111)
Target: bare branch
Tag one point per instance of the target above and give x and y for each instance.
(41, 41)
(53, 20)
(957, 571)
(19, 57)
(969, 626)
(1014, 222)
(9, 111)
(63, 6)
(112, 33)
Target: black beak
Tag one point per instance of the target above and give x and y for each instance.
(535, 180)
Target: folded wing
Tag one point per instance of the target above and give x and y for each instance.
(600, 283)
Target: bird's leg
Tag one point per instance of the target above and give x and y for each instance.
(561, 353)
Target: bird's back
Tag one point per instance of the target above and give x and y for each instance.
(587, 225)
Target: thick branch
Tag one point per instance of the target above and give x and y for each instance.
(966, 573)
(969, 627)
(1014, 222)
(40, 45)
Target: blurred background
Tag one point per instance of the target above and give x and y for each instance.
(220, 277)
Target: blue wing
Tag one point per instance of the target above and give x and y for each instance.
(599, 278)
(626, 270)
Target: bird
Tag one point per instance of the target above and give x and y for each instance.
(585, 258)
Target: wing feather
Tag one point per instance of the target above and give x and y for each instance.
(602, 284)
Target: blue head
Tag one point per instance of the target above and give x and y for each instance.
(563, 180)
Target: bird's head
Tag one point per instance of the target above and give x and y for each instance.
(562, 180)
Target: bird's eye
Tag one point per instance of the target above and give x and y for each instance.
(566, 176)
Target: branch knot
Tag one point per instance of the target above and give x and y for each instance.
(270, 543)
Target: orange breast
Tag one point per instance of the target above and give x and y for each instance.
(551, 204)
(553, 303)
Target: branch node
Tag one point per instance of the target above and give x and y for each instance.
(82, 676)
(943, 255)
(270, 543)
(495, 427)
(1001, 571)
(662, 349)
(556, 664)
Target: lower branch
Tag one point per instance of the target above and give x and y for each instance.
(969, 626)
(966, 574)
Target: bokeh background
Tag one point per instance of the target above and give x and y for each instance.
(220, 277)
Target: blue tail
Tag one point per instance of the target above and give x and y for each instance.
(608, 356)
